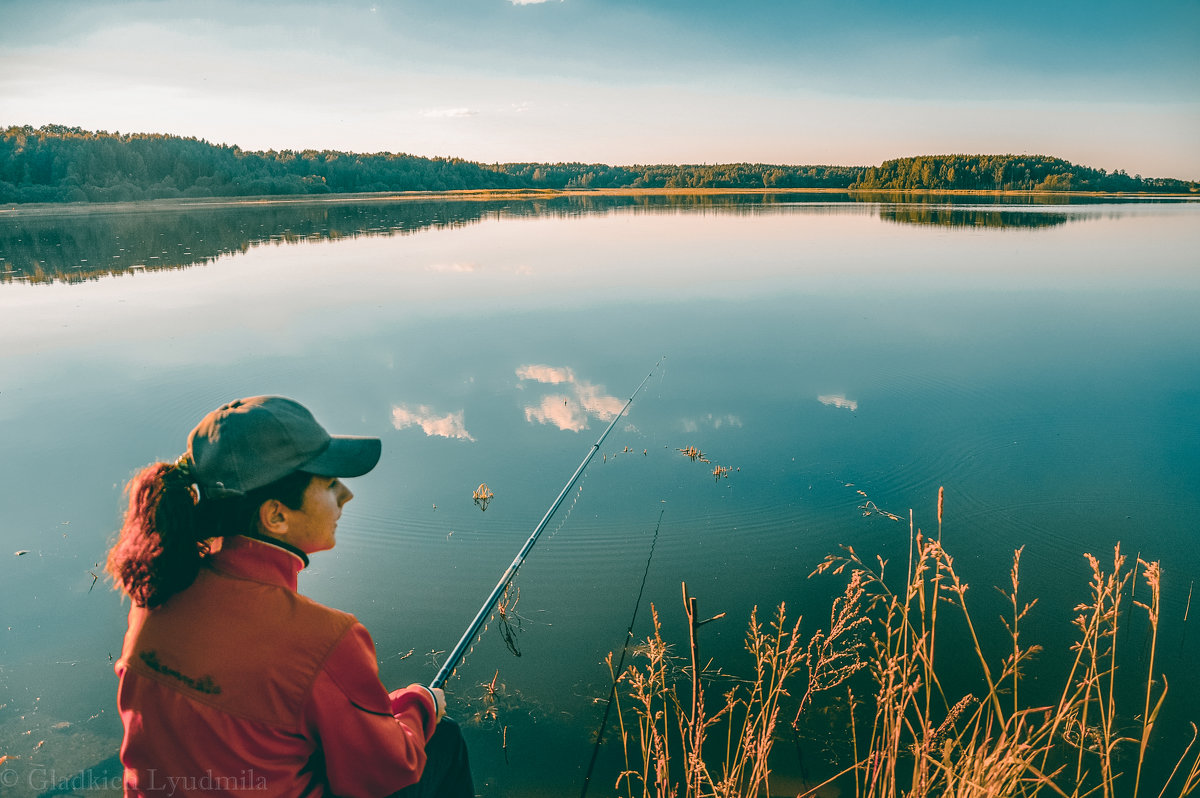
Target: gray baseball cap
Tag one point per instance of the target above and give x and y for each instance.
(253, 442)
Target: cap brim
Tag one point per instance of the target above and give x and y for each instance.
(345, 456)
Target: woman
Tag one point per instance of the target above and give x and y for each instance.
(232, 682)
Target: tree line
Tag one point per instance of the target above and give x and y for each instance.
(54, 163)
(1007, 173)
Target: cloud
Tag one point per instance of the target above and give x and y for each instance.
(599, 405)
(560, 411)
(448, 425)
(451, 267)
(449, 113)
(710, 420)
(568, 411)
(529, 2)
(838, 400)
(547, 374)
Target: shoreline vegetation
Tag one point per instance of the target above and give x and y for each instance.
(875, 698)
(11, 209)
(58, 164)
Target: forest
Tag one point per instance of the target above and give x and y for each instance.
(54, 163)
(1007, 173)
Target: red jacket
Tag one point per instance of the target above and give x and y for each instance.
(241, 685)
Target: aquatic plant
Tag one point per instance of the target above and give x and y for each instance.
(482, 495)
(750, 709)
(883, 658)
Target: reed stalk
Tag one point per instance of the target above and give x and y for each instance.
(879, 649)
(1152, 574)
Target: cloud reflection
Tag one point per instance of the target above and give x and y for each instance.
(449, 113)
(547, 374)
(838, 400)
(710, 420)
(558, 410)
(461, 268)
(570, 410)
(443, 425)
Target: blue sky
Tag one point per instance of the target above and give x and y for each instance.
(1106, 84)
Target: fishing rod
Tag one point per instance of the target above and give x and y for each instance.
(464, 643)
(612, 692)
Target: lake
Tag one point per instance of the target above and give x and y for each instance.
(839, 357)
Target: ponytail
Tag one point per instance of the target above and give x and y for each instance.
(168, 528)
(163, 538)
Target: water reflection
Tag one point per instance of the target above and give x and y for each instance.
(433, 423)
(711, 421)
(74, 244)
(838, 400)
(567, 411)
(946, 216)
(1013, 199)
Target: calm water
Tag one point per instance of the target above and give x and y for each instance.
(1039, 361)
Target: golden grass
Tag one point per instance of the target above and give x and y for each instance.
(907, 734)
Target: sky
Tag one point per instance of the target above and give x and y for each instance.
(1112, 85)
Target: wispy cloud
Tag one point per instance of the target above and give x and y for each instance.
(434, 424)
(529, 2)
(547, 374)
(451, 267)
(449, 113)
(568, 411)
(838, 400)
(711, 420)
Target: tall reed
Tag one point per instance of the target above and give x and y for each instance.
(910, 733)
(684, 749)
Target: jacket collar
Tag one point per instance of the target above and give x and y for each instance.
(261, 559)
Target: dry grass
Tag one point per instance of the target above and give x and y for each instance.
(909, 736)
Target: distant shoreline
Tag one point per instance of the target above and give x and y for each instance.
(59, 164)
(84, 208)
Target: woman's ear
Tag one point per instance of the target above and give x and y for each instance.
(272, 518)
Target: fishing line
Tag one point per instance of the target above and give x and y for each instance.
(621, 662)
(509, 631)
(571, 508)
(481, 617)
